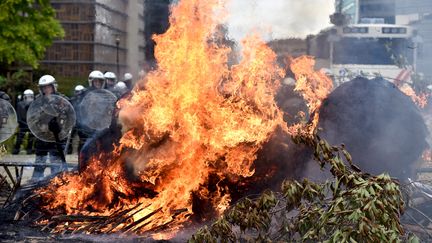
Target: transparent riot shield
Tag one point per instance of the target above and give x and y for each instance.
(96, 109)
(8, 120)
(46, 108)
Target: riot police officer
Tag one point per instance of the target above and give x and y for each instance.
(96, 80)
(110, 80)
(22, 107)
(47, 86)
(5, 96)
(127, 79)
(79, 93)
(120, 89)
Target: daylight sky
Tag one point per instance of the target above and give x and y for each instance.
(277, 19)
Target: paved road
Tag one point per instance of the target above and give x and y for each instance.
(28, 171)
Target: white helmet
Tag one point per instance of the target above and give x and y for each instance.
(79, 88)
(28, 92)
(96, 75)
(47, 80)
(28, 95)
(127, 76)
(110, 79)
(110, 75)
(120, 86)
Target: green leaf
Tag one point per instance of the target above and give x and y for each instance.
(25, 37)
(413, 239)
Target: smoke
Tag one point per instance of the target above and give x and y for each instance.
(379, 125)
(278, 19)
(424, 48)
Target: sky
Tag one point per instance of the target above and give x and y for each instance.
(278, 19)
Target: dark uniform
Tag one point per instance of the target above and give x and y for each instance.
(4, 96)
(75, 101)
(22, 108)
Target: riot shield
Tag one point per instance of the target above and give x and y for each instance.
(44, 110)
(96, 109)
(8, 120)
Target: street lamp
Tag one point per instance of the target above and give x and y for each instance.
(117, 41)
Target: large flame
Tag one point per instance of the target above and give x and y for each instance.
(313, 85)
(196, 116)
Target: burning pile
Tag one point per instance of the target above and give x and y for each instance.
(196, 117)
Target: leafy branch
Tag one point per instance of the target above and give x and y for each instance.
(353, 207)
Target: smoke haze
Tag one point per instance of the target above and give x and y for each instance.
(278, 19)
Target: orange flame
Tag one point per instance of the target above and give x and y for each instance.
(427, 155)
(420, 100)
(196, 116)
(313, 85)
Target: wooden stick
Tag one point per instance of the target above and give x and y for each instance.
(18, 215)
(16, 187)
(47, 226)
(9, 174)
(127, 228)
(97, 225)
(160, 227)
(77, 218)
(25, 201)
(25, 215)
(122, 220)
(11, 194)
(3, 181)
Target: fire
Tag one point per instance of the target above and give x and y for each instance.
(427, 155)
(196, 116)
(314, 86)
(419, 99)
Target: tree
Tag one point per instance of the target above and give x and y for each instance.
(27, 28)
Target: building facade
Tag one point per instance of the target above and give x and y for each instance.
(383, 10)
(105, 35)
(350, 8)
(361, 11)
(418, 13)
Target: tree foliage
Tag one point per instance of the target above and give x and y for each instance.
(27, 28)
(353, 207)
(16, 83)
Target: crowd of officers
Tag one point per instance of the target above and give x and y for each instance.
(47, 85)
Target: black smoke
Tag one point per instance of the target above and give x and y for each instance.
(380, 126)
(156, 14)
